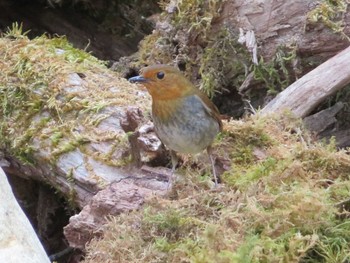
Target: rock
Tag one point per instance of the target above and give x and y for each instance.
(324, 119)
(18, 241)
(118, 197)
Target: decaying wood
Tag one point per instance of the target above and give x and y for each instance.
(77, 139)
(19, 243)
(322, 120)
(86, 173)
(342, 137)
(284, 23)
(118, 197)
(90, 175)
(309, 91)
(72, 131)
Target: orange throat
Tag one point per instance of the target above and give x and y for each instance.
(164, 109)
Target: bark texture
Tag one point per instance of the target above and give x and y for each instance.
(237, 50)
(286, 23)
(118, 197)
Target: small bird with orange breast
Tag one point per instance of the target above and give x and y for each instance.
(185, 120)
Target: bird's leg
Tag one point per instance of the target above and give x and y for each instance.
(174, 162)
(209, 151)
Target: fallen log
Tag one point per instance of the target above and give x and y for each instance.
(19, 242)
(70, 122)
(308, 92)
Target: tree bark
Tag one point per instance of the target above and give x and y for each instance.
(285, 23)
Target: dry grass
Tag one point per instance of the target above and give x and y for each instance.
(277, 203)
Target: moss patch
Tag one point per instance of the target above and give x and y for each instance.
(331, 13)
(55, 99)
(279, 202)
(278, 73)
(210, 57)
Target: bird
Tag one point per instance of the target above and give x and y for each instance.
(185, 119)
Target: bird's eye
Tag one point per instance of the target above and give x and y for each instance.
(160, 75)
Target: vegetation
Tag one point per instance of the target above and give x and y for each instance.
(284, 199)
(276, 74)
(53, 101)
(217, 59)
(331, 13)
(283, 196)
(191, 36)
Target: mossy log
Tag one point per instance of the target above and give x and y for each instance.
(67, 120)
(251, 50)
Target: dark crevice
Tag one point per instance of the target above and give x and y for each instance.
(107, 29)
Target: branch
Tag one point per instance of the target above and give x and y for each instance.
(19, 243)
(309, 91)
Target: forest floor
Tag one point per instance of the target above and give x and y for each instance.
(285, 198)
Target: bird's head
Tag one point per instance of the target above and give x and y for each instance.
(164, 82)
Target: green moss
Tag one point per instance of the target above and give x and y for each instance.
(244, 155)
(155, 47)
(56, 137)
(217, 62)
(53, 99)
(198, 15)
(66, 147)
(277, 74)
(223, 63)
(16, 31)
(72, 193)
(170, 224)
(331, 13)
(324, 162)
(339, 190)
(25, 155)
(243, 177)
(332, 245)
(280, 203)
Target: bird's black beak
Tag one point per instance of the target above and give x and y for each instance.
(138, 79)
